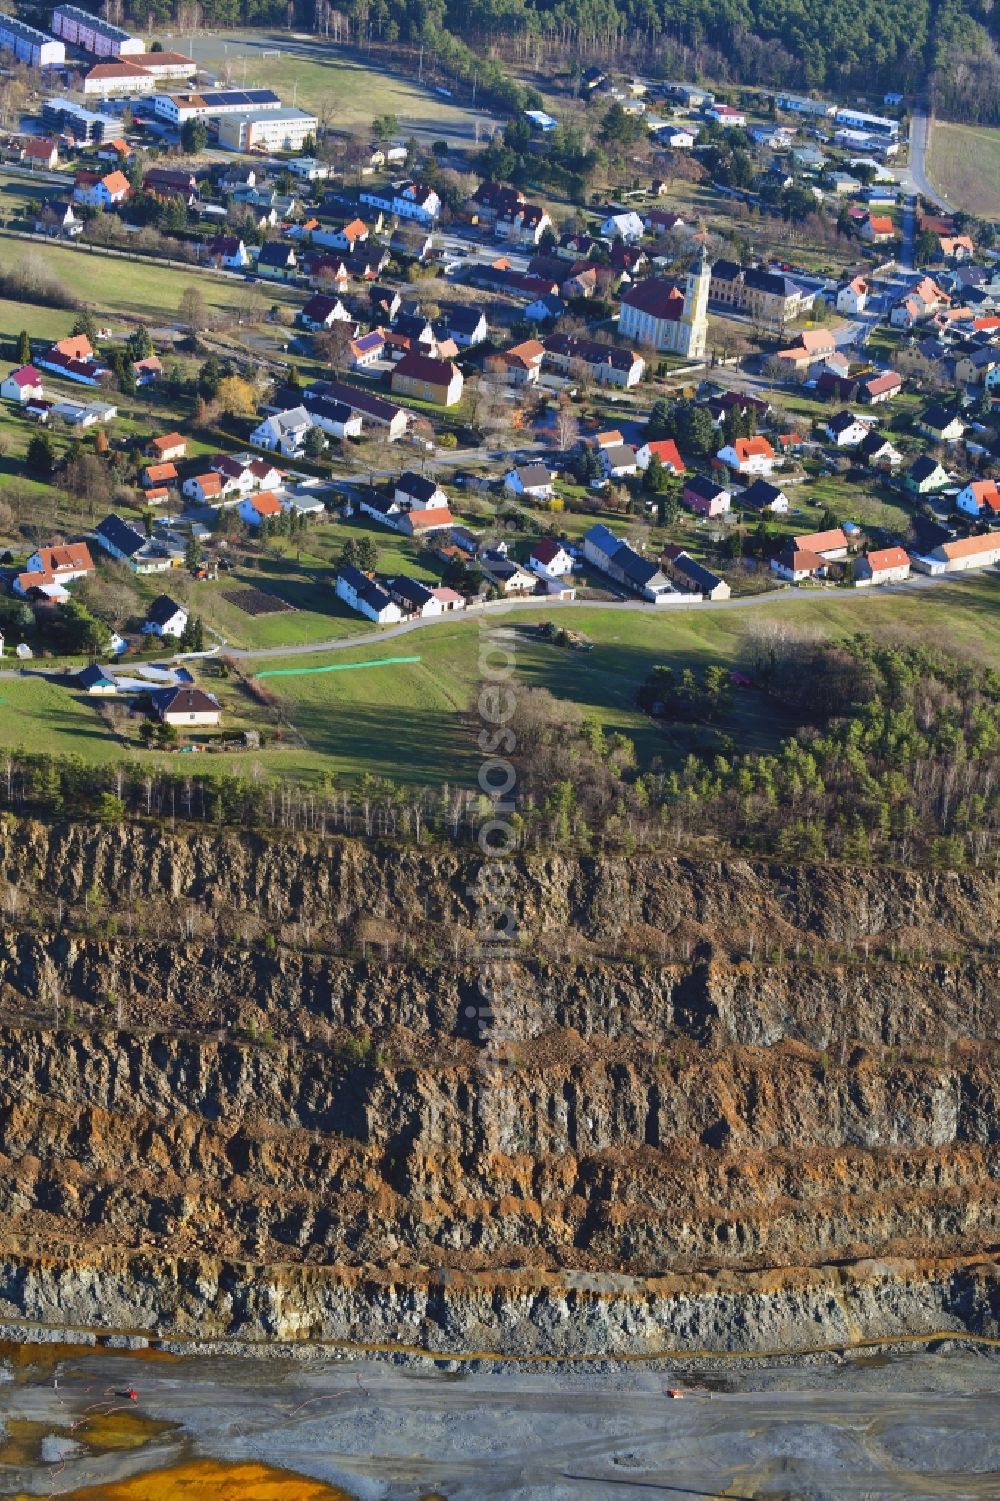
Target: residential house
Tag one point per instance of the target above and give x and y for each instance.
(467, 326)
(977, 366)
(366, 350)
(207, 488)
(523, 224)
(501, 570)
(56, 217)
(165, 617)
(942, 424)
(533, 480)
(385, 302)
(323, 312)
(187, 708)
(693, 577)
(228, 251)
(101, 192)
(960, 555)
(623, 564)
(374, 410)
(748, 456)
(362, 594)
(957, 247)
(74, 359)
(619, 461)
(828, 545)
(979, 498)
(148, 371)
(50, 569)
(284, 432)
(627, 226)
(159, 476)
(878, 451)
(277, 261)
(411, 244)
(926, 475)
(726, 115)
(551, 560)
(706, 497)
(814, 344)
(763, 496)
(545, 309)
(428, 379)
(41, 152)
(885, 565)
(168, 446)
(415, 599)
(23, 384)
(607, 363)
(335, 418)
(853, 299)
(95, 681)
(664, 449)
(129, 545)
(845, 430)
(170, 184)
(259, 507)
(416, 492)
(878, 229)
(796, 564)
(405, 200)
(422, 522)
(874, 389)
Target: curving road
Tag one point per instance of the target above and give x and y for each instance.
(913, 178)
(372, 638)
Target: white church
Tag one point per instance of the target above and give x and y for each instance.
(655, 313)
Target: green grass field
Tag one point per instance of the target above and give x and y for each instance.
(963, 162)
(112, 284)
(412, 722)
(341, 85)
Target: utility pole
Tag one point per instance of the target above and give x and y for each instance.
(420, 64)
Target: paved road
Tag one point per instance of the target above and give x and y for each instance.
(511, 606)
(913, 178)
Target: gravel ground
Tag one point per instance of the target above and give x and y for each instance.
(891, 1426)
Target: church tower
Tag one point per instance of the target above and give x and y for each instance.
(693, 328)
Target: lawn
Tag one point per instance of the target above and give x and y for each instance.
(113, 284)
(41, 715)
(341, 85)
(963, 162)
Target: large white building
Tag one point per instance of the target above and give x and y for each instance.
(267, 130)
(654, 312)
(81, 28)
(213, 104)
(36, 48)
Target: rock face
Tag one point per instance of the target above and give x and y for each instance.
(245, 1094)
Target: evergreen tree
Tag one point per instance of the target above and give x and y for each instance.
(40, 459)
(23, 348)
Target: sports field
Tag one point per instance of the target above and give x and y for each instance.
(963, 162)
(343, 86)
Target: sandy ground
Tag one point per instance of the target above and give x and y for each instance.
(915, 1425)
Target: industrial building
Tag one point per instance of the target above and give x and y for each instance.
(84, 125)
(267, 130)
(36, 48)
(177, 109)
(81, 28)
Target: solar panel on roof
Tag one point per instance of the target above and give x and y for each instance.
(261, 96)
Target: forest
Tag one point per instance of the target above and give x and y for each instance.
(944, 46)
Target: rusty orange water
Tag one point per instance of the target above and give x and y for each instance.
(208, 1480)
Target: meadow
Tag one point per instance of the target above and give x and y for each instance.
(963, 162)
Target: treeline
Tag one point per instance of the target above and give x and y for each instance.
(896, 760)
(837, 45)
(30, 281)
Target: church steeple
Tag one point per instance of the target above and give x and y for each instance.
(694, 319)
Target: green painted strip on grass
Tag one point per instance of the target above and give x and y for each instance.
(301, 672)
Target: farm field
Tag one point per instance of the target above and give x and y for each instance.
(964, 165)
(339, 84)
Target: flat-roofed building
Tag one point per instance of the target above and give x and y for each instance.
(267, 130)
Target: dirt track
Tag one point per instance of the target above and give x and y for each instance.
(908, 1426)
